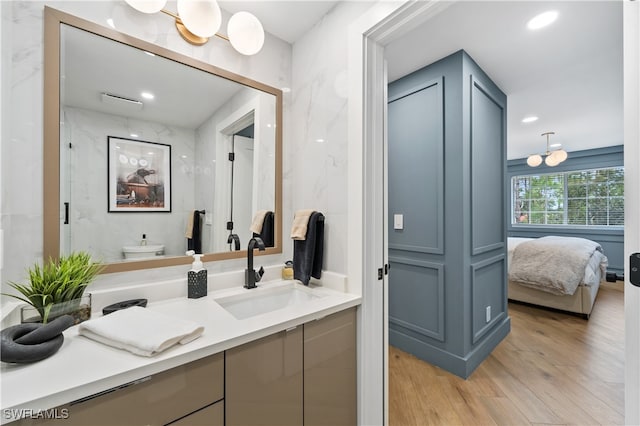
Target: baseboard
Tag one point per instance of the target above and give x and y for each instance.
(462, 366)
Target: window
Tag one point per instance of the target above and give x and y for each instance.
(578, 198)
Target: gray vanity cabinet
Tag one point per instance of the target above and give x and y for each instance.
(330, 396)
(263, 383)
(302, 376)
(305, 375)
(154, 400)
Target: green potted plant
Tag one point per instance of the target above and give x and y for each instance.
(57, 288)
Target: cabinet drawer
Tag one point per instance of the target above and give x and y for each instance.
(153, 400)
(158, 399)
(212, 415)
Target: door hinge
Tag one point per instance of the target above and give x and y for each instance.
(230, 226)
(380, 273)
(232, 156)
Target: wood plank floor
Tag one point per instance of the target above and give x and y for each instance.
(553, 368)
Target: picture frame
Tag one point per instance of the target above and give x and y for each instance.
(139, 175)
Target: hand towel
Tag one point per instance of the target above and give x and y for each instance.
(189, 232)
(300, 222)
(258, 220)
(267, 233)
(140, 331)
(195, 241)
(308, 253)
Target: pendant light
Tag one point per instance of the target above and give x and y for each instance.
(553, 158)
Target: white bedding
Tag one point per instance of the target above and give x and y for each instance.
(593, 271)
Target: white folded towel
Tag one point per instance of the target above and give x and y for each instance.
(300, 223)
(258, 221)
(140, 331)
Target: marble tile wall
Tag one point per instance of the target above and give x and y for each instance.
(319, 143)
(22, 96)
(315, 123)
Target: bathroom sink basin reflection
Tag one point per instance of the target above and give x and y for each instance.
(262, 301)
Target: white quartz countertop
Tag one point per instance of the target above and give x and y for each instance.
(83, 367)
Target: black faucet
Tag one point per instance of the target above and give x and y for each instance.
(236, 239)
(251, 277)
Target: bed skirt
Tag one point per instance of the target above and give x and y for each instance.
(580, 302)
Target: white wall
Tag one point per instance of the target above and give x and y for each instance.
(22, 36)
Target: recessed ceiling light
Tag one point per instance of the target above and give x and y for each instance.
(134, 135)
(320, 140)
(542, 20)
(529, 119)
(147, 95)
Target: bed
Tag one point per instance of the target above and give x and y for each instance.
(556, 272)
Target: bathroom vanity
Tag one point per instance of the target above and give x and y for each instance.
(292, 365)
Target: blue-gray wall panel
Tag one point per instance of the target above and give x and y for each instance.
(416, 168)
(487, 170)
(416, 301)
(487, 290)
(442, 333)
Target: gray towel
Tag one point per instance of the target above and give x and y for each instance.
(308, 253)
(267, 230)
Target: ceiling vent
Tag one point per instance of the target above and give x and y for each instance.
(119, 101)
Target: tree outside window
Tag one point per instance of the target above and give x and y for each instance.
(578, 198)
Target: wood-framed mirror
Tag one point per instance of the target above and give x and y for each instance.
(137, 181)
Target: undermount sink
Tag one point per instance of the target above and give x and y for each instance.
(264, 300)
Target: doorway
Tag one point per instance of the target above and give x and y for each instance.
(369, 35)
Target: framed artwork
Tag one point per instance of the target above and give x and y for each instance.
(139, 176)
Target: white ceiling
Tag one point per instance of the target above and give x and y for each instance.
(568, 74)
(287, 20)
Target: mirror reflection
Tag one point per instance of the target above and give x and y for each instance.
(158, 157)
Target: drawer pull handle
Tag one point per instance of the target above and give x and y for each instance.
(117, 388)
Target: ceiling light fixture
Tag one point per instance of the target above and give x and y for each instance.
(542, 20)
(553, 158)
(199, 20)
(530, 119)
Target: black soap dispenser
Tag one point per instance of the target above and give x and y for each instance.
(196, 277)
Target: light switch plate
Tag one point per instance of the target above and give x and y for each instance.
(398, 221)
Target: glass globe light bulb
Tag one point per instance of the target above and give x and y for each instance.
(200, 17)
(534, 160)
(560, 155)
(551, 160)
(147, 6)
(245, 32)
